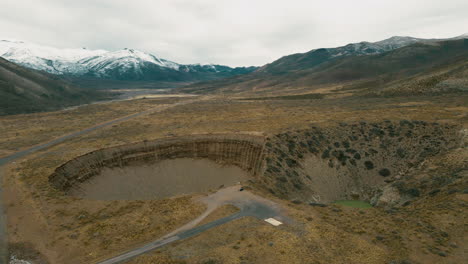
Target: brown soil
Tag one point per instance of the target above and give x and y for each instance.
(164, 179)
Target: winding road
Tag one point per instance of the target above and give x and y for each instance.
(20, 154)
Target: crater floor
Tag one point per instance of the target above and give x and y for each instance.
(163, 179)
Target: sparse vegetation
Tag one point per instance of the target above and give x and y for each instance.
(85, 227)
(384, 172)
(354, 204)
(369, 164)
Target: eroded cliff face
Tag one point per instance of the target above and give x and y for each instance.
(350, 161)
(243, 151)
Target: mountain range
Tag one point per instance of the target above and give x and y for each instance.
(134, 65)
(359, 64)
(126, 64)
(37, 78)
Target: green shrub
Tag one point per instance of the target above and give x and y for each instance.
(413, 192)
(369, 165)
(313, 150)
(352, 151)
(291, 163)
(384, 172)
(346, 144)
(298, 185)
(401, 152)
(273, 169)
(357, 156)
(326, 154)
(291, 146)
(282, 179)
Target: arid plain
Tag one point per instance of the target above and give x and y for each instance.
(50, 226)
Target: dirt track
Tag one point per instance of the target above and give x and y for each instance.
(248, 203)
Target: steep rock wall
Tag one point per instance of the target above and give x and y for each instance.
(244, 151)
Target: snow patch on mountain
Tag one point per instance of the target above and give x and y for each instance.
(78, 61)
(123, 61)
(129, 56)
(44, 58)
(46, 52)
(370, 48)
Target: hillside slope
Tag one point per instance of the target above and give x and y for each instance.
(24, 91)
(433, 65)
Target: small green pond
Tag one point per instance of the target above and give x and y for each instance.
(354, 203)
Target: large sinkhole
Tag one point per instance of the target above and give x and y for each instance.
(162, 168)
(352, 161)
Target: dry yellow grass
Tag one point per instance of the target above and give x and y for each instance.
(20, 131)
(82, 231)
(68, 230)
(222, 211)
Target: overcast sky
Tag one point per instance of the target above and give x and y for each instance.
(235, 33)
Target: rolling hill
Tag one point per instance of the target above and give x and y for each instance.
(419, 67)
(23, 91)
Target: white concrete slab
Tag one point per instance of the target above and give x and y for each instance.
(273, 221)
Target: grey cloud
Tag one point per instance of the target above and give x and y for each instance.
(226, 32)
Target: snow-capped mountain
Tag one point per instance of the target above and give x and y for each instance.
(315, 57)
(369, 48)
(48, 59)
(463, 36)
(125, 58)
(130, 64)
(125, 64)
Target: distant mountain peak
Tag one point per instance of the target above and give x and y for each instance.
(402, 37)
(127, 63)
(398, 41)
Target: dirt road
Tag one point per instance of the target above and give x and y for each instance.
(248, 203)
